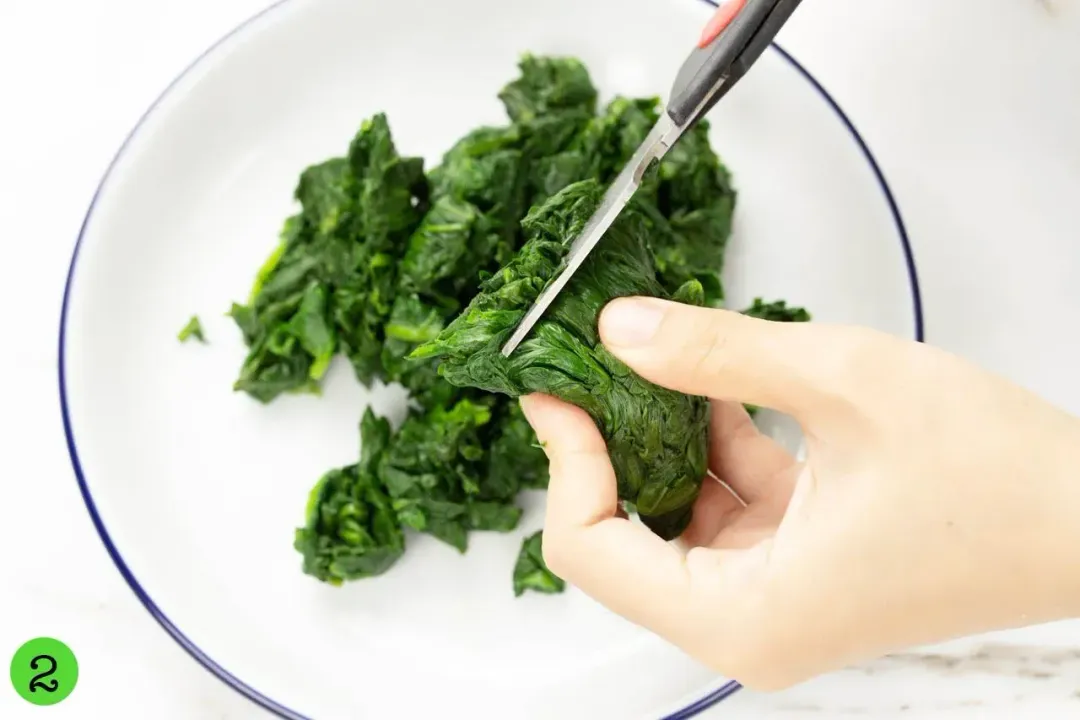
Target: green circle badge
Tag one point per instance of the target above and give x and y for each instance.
(44, 671)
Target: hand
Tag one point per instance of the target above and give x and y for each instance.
(937, 500)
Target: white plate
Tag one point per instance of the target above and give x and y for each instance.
(196, 490)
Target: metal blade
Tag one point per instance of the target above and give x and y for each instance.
(618, 194)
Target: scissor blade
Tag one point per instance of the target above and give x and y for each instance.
(615, 199)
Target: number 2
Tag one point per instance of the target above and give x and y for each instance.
(36, 681)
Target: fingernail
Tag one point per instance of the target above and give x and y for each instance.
(630, 321)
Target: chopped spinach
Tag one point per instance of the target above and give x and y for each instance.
(547, 87)
(352, 530)
(696, 196)
(777, 311)
(515, 459)
(530, 571)
(329, 284)
(433, 472)
(193, 329)
(416, 276)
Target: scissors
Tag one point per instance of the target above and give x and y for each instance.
(732, 41)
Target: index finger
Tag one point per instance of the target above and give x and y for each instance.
(620, 563)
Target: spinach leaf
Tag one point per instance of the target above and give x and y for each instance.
(696, 196)
(193, 329)
(391, 195)
(515, 459)
(276, 362)
(433, 472)
(777, 311)
(600, 148)
(547, 86)
(530, 571)
(329, 283)
(411, 322)
(485, 169)
(352, 530)
(493, 516)
(446, 252)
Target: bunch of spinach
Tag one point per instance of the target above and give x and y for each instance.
(417, 275)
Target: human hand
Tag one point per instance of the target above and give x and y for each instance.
(937, 500)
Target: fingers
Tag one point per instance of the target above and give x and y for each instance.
(573, 445)
(619, 563)
(707, 602)
(791, 367)
(752, 463)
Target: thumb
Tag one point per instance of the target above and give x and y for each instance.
(621, 564)
(720, 354)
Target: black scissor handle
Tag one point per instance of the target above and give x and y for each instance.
(714, 68)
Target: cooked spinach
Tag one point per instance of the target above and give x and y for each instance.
(516, 461)
(329, 284)
(657, 438)
(434, 472)
(530, 571)
(352, 530)
(777, 311)
(193, 329)
(416, 276)
(696, 196)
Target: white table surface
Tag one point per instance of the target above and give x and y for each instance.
(971, 106)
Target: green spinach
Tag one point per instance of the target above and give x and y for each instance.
(352, 530)
(434, 472)
(193, 329)
(328, 286)
(657, 438)
(530, 571)
(417, 277)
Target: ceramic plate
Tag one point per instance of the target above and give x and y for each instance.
(196, 490)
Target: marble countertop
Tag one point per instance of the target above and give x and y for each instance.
(971, 106)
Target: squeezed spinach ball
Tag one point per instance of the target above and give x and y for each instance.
(657, 438)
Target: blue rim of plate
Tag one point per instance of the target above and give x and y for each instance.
(722, 693)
